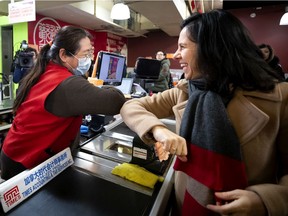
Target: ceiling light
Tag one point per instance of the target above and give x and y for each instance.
(284, 18)
(120, 11)
(253, 15)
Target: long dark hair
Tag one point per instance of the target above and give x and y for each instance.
(68, 37)
(226, 55)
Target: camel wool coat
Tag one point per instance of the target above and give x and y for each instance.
(261, 123)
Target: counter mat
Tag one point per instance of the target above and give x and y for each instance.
(74, 192)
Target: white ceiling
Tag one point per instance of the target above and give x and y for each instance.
(163, 14)
(154, 15)
(151, 15)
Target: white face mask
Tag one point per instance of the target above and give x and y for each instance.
(83, 66)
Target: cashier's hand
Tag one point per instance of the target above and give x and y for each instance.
(171, 142)
(239, 202)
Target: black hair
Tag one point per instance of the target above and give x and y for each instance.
(68, 38)
(226, 55)
(164, 53)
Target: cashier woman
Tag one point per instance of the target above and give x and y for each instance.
(51, 101)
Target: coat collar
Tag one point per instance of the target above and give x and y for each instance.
(183, 85)
(248, 120)
(274, 95)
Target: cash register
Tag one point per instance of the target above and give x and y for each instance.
(147, 72)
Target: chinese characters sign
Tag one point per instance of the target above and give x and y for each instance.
(21, 186)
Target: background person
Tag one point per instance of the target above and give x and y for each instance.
(164, 81)
(231, 113)
(271, 59)
(51, 102)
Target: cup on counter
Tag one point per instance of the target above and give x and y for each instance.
(96, 81)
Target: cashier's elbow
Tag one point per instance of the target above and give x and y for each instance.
(118, 100)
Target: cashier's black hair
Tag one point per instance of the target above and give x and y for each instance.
(68, 38)
(226, 55)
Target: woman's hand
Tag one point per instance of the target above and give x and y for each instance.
(171, 142)
(239, 202)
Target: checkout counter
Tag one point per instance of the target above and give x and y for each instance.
(88, 187)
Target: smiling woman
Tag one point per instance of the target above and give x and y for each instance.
(228, 86)
(187, 55)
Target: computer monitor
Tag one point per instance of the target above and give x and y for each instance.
(110, 68)
(147, 68)
(126, 86)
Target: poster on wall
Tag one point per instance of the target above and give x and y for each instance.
(116, 44)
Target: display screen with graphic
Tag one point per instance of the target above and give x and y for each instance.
(110, 68)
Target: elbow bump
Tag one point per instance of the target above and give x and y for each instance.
(118, 103)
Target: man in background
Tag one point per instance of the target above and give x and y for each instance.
(164, 81)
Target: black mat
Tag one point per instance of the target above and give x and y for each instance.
(77, 193)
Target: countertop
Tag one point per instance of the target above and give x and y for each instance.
(88, 188)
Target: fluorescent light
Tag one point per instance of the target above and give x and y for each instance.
(120, 11)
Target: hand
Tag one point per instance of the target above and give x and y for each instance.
(239, 202)
(171, 142)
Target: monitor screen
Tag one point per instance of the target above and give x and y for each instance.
(148, 68)
(110, 68)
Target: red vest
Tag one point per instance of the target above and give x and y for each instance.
(35, 131)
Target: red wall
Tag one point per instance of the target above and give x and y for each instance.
(264, 28)
(148, 46)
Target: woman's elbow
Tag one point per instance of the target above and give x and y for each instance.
(118, 101)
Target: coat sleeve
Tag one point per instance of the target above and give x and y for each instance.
(142, 114)
(76, 96)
